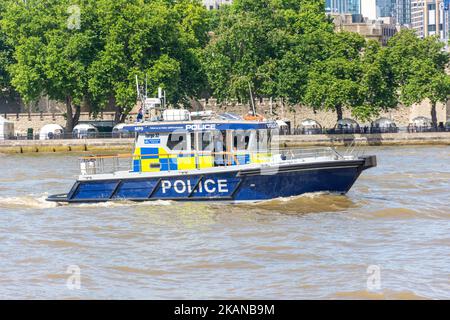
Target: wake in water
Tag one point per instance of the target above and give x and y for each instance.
(40, 202)
(306, 203)
(125, 203)
(27, 202)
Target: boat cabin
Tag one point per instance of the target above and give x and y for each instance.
(188, 145)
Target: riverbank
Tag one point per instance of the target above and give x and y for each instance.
(66, 146)
(383, 139)
(126, 145)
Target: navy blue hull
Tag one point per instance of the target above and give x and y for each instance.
(240, 185)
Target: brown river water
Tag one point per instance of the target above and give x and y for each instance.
(389, 238)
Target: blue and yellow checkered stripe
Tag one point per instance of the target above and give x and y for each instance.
(158, 159)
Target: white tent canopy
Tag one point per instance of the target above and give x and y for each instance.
(119, 132)
(422, 122)
(281, 123)
(384, 123)
(119, 127)
(310, 123)
(6, 129)
(51, 131)
(85, 131)
(347, 123)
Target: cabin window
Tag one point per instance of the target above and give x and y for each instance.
(241, 140)
(192, 141)
(263, 138)
(177, 141)
(205, 141)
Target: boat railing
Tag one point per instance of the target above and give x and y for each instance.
(105, 164)
(124, 162)
(310, 153)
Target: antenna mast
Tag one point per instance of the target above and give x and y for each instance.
(137, 88)
(251, 98)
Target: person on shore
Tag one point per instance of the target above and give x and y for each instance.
(140, 116)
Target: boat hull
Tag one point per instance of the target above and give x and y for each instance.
(239, 185)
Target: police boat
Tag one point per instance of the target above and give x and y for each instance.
(199, 156)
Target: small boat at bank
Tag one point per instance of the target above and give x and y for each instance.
(212, 159)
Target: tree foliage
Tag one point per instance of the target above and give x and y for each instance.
(289, 50)
(50, 57)
(282, 49)
(267, 44)
(94, 64)
(6, 59)
(157, 40)
(419, 67)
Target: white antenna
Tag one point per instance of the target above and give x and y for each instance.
(146, 86)
(137, 87)
(160, 93)
(164, 99)
(251, 98)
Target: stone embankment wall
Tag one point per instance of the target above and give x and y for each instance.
(271, 110)
(384, 139)
(23, 121)
(402, 116)
(108, 146)
(98, 146)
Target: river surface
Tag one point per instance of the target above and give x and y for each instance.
(389, 238)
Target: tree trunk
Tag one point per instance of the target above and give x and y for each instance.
(434, 115)
(76, 117)
(117, 109)
(123, 118)
(69, 114)
(339, 112)
(72, 119)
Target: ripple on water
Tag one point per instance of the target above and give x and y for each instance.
(148, 272)
(404, 214)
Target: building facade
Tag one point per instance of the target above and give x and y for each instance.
(380, 30)
(400, 10)
(215, 4)
(430, 18)
(343, 6)
(403, 8)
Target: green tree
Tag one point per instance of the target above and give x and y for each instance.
(378, 87)
(6, 59)
(354, 74)
(155, 40)
(419, 67)
(427, 82)
(53, 50)
(335, 83)
(265, 44)
(94, 61)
